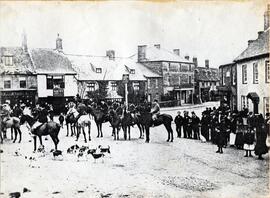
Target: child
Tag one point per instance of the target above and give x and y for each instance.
(249, 138)
(61, 119)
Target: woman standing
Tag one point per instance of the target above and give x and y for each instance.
(261, 135)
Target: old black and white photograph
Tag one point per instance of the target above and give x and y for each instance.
(135, 99)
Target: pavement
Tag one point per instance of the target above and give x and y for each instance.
(184, 168)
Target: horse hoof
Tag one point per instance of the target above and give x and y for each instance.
(146, 141)
(76, 140)
(167, 140)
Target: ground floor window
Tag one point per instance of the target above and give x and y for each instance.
(244, 102)
(266, 105)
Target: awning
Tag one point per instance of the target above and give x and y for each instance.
(253, 96)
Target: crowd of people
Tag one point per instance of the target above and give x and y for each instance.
(223, 127)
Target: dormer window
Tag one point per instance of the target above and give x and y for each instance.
(132, 71)
(8, 60)
(98, 70)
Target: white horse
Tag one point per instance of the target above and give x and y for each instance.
(84, 121)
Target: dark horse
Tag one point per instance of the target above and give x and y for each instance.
(115, 122)
(71, 120)
(99, 116)
(14, 124)
(49, 128)
(147, 121)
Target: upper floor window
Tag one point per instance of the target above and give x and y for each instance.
(255, 73)
(98, 70)
(114, 85)
(132, 71)
(136, 86)
(244, 74)
(156, 83)
(91, 86)
(7, 84)
(267, 71)
(22, 82)
(8, 60)
(189, 79)
(55, 82)
(244, 102)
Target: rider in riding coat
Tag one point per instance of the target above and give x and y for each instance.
(156, 110)
(82, 109)
(41, 117)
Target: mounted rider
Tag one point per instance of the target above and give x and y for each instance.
(41, 116)
(72, 109)
(81, 109)
(6, 111)
(156, 110)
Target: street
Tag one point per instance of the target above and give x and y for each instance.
(184, 168)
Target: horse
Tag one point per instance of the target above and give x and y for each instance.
(147, 121)
(71, 120)
(14, 124)
(49, 128)
(115, 122)
(99, 117)
(84, 121)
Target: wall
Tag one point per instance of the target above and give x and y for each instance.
(153, 89)
(262, 88)
(31, 82)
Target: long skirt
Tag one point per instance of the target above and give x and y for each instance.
(239, 140)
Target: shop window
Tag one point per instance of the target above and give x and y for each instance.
(7, 84)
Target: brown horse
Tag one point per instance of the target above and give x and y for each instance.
(147, 121)
(50, 128)
(71, 121)
(115, 122)
(14, 124)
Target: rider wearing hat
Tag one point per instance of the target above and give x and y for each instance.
(40, 117)
(156, 110)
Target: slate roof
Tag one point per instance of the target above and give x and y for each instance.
(21, 61)
(258, 47)
(155, 54)
(85, 66)
(48, 61)
(206, 74)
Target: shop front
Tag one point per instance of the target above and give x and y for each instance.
(17, 96)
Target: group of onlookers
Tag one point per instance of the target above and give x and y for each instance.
(223, 127)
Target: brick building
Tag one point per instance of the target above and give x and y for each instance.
(177, 72)
(17, 76)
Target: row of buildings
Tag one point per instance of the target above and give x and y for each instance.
(53, 76)
(244, 83)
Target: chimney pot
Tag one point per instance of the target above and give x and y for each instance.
(59, 46)
(207, 63)
(110, 54)
(142, 53)
(187, 57)
(176, 51)
(260, 33)
(157, 46)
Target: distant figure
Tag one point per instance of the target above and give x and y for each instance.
(261, 135)
(61, 119)
(249, 139)
(178, 120)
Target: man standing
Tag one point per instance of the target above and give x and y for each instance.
(184, 123)
(178, 120)
(195, 125)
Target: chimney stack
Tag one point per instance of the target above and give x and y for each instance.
(187, 57)
(176, 51)
(157, 46)
(110, 54)
(141, 53)
(266, 17)
(24, 42)
(250, 41)
(195, 61)
(260, 33)
(59, 46)
(207, 63)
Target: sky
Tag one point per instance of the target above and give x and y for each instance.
(214, 30)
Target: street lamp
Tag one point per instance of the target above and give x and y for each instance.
(125, 79)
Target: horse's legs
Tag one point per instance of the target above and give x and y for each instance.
(170, 132)
(16, 133)
(114, 133)
(78, 133)
(97, 129)
(128, 132)
(11, 132)
(147, 131)
(40, 139)
(55, 140)
(140, 130)
(35, 143)
(117, 129)
(89, 130)
(101, 134)
(20, 133)
(125, 132)
(84, 135)
(67, 130)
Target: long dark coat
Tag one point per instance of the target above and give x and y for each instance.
(261, 135)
